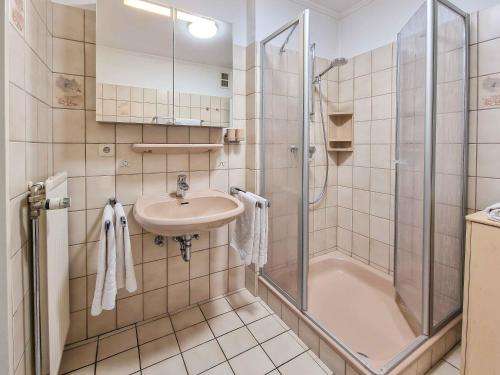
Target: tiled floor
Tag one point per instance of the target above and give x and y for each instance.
(450, 365)
(237, 334)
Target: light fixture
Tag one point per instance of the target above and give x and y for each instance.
(198, 26)
(149, 7)
(203, 30)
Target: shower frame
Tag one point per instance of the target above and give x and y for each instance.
(305, 70)
(428, 328)
(302, 24)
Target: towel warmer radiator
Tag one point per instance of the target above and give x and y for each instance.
(40, 199)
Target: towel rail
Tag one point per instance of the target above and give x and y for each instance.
(234, 190)
(123, 219)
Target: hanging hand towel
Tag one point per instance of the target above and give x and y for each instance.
(105, 284)
(261, 227)
(493, 212)
(244, 229)
(125, 272)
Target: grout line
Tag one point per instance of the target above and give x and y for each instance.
(217, 341)
(138, 346)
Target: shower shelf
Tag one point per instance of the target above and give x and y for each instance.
(340, 131)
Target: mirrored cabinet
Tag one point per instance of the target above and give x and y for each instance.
(156, 64)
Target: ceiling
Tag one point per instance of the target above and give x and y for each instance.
(335, 8)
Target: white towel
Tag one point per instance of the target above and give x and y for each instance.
(244, 230)
(261, 230)
(105, 284)
(493, 211)
(125, 273)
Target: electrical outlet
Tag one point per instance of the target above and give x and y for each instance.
(106, 150)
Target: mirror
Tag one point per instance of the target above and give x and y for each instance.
(156, 64)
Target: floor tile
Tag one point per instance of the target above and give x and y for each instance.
(236, 342)
(222, 369)
(303, 364)
(194, 335)
(252, 312)
(120, 364)
(188, 343)
(203, 357)
(224, 323)
(171, 366)
(282, 348)
(154, 330)
(214, 308)
(319, 362)
(187, 318)
(443, 368)
(241, 298)
(114, 344)
(266, 328)
(158, 350)
(252, 362)
(78, 357)
(453, 357)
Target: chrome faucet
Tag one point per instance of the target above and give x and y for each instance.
(182, 186)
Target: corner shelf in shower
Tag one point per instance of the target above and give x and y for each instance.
(175, 148)
(340, 131)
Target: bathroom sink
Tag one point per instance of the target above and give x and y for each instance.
(168, 215)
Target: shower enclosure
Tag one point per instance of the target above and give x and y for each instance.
(430, 168)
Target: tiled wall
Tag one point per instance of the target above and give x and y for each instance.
(165, 281)
(29, 37)
(366, 176)
(282, 129)
(323, 215)
(484, 128)
(140, 105)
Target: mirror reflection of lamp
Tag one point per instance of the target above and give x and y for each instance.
(199, 27)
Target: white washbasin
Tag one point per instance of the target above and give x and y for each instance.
(167, 215)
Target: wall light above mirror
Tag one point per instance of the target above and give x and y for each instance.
(157, 64)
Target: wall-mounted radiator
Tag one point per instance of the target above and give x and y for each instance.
(51, 311)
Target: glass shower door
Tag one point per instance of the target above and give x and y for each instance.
(284, 132)
(410, 153)
(430, 174)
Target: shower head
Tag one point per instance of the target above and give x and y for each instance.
(338, 62)
(334, 64)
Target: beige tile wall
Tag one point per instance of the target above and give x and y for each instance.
(166, 282)
(29, 38)
(323, 215)
(280, 130)
(484, 129)
(366, 176)
(127, 104)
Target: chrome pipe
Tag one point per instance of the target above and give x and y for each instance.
(37, 326)
(35, 201)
